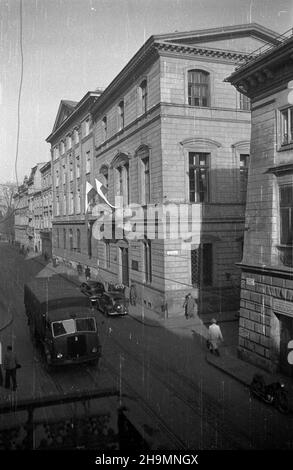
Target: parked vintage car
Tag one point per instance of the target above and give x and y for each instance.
(92, 289)
(113, 303)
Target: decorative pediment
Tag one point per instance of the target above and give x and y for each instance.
(142, 151)
(104, 170)
(200, 142)
(241, 145)
(120, 158)
(65, 109)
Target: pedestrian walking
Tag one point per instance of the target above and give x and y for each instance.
(11, 364)
(87, 273)
(79, 269)
(215, 337)
(189, 306)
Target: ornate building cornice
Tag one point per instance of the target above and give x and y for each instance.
(211, 53)
(270, 70)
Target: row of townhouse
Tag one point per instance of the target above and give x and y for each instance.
(33, 206)
(170, 138)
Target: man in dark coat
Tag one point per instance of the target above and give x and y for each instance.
(189, 306)
(10, 366)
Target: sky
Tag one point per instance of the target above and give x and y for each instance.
(69, 47)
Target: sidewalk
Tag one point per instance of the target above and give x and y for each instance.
(5, 316)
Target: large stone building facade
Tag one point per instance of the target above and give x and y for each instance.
(169, 131)
(266, 314)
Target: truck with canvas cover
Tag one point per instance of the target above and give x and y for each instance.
(61, 321)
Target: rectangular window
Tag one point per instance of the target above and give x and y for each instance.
(57, 178)
(88, 162)
(143, 96)
(86, 127)
(127, 188)
(78, 240)
(286, 212)
(244, 102)
(69, 142)
(56, 153)
(107, 255)
(64, 204)
(198, 88)
(64, 238)
(244, 165)
(198, 176)
(57, 206)
(77, 167)
(71, 239)
(78, 202)
(71, 203)
(104, 129)
(286, 122)
(146, 180)
(57, 238)
(147, 261)
(286, 224)
(64, 174)
(121, 115)
(71, 171)
(123, 182)
(76, 136)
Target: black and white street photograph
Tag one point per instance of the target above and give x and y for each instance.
(146, 231)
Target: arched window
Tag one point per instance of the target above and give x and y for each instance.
(104, 171)
(198, 88)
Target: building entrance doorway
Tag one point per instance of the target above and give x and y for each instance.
(286, 335)
(202, 265)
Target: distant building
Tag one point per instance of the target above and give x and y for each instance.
(72, 160)
(35, 211)
(47, 210)
(21, 215)
(168, 131)
(266, 314)
(7, 192)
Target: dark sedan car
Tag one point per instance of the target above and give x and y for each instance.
(112, 304)
(93, 289)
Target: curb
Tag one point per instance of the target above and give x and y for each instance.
(227, 372)
(7, 323)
